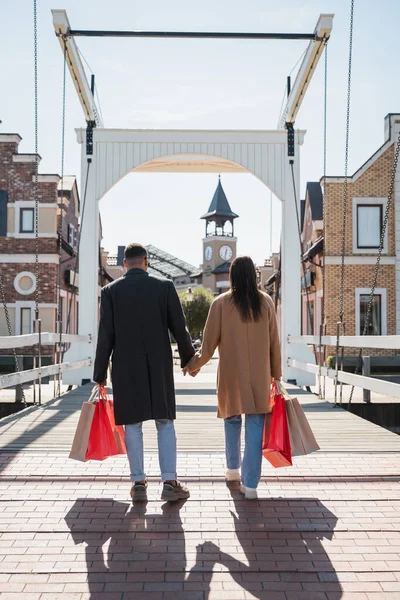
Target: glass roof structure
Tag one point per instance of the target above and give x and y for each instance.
(162, 263)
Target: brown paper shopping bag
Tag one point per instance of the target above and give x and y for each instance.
(81, 437)
(302, 439)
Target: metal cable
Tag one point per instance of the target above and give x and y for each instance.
(10, 332)
(36, 183)
(320, 393)
(89, 162)
(346, 166)
(340, 325)
(291, 162)
(378, 260)
(60, 228)
(37, 349)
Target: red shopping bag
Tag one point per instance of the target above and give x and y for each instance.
(118, 430)
(276, 439)
(105, 439)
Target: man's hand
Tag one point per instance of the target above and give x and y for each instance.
(186, 371)
(102, 384)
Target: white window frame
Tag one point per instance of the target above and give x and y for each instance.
(367, 291)
(17, 214)
(30, 211)
(18, 278)
(18, 306)
(372, 202)
(17, 205)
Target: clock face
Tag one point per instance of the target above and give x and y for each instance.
(225, 252)
(208, 252)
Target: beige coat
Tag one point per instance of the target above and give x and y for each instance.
(249, 355)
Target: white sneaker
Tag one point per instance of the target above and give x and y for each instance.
(249, 493)
(232, 475)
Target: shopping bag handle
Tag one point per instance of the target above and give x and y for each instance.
(95, 391)
(282, 390)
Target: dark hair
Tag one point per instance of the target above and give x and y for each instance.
(135, 251)
(245, 293)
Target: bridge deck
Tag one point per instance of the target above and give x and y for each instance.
(325, 529)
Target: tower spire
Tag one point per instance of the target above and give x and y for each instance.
(219, 212)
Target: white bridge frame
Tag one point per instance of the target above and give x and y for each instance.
(117, 152)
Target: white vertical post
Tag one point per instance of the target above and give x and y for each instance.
(291, 278)
(88, 273)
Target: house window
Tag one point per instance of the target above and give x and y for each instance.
(375, 319)
(3, 212)
(378, 318)
(369, 225)
(25, 283)
(26, 320)
(71, 235)
(27, 220)
(310, 317)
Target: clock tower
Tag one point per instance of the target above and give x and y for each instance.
(219, 244)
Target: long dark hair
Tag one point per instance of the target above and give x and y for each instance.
(245, 293)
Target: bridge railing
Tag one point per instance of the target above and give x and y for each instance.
(380, 386)
(44, 339)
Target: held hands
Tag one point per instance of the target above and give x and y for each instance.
(186, 370)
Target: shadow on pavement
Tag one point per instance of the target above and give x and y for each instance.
(137, 549)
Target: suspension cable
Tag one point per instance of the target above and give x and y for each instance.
(291, 162)
(10, 333)
(60, 228)
(340, 326)
(321, 392)
(38, 327)
(89, 162)
(378, 260)
(36, 186)
(346, 166)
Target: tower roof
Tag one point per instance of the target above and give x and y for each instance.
(219, 206)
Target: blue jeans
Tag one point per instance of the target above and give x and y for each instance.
(251, 466)
(166, 450)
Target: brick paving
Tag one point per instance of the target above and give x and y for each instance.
(326, 529)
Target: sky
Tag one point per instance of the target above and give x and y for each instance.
(200, 84)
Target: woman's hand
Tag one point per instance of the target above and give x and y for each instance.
(191, 373)
(187, 369)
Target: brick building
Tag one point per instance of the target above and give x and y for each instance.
(367, 196)
(18, 246)
(312, 247)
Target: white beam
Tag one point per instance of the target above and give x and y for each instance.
(379, 386)
(307, 68)
(12, 379)
(350, 341)
(75, 66)
(31, 339)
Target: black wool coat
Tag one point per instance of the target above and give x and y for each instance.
(137, 312)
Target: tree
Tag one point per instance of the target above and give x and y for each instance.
(196, 310)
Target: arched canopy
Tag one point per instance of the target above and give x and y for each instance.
(121, 151)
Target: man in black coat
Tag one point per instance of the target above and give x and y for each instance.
(137, 312)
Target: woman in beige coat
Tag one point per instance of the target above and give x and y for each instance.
(242, 324)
